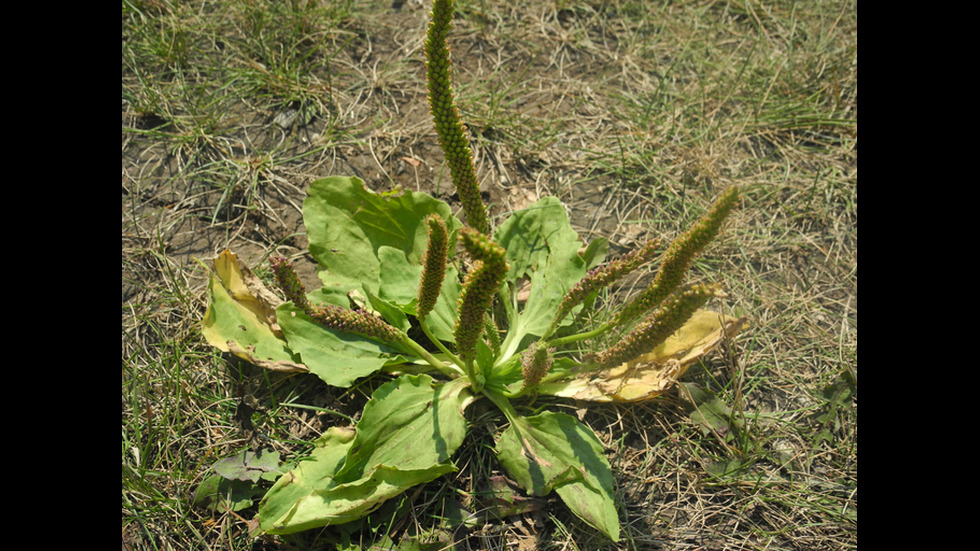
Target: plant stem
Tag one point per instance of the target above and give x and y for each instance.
(568, 339)
(502, 403)
(442, 347)
(476, 378)
(448, 370)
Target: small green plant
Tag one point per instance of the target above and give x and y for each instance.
(449, 327)
(234, 485)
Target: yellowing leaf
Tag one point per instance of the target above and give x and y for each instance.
(241, 317)
(246, 289)
(653, 373)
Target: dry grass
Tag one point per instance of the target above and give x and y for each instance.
(635, 114)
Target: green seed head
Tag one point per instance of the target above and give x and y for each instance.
(602, 276)
(679, 257)
(354, 321)
(479, 288)
(289, 282)
(433, 265)
(445, 115)
(536, 362)
(662, 323)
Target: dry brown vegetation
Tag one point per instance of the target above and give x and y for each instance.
(635, 114)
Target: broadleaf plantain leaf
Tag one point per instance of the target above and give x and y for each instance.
(542, 247)
(241, 317)
(347, 224)
(406, 436)
(336, 357)
(553, 451)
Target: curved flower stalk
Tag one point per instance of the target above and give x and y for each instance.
(659, 325)
(449, 125)
(603, 276)
(679, 256)
(479, 288)
(330, 315)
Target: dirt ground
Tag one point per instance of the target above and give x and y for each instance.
(403, 153)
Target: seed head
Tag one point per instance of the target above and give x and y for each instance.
(354, 321)
(289, 282)
(602, 276)
(662, 323)
(479, 288)
(679, 256)
(536, 362)
(433, 265)
(445, 114)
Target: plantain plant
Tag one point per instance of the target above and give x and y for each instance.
(411, 292)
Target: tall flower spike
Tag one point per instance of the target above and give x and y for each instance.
(679, 257)
(354, 321)
(445, 114)
(602, 276)
(433, 265)
(289, 282)
(662, 323)
(479, 288)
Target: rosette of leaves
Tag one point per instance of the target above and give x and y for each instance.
(415, 268)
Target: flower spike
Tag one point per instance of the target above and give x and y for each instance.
(536, 362)
(479, 288)
(448, 123)
(603, 276)
(329, 315)
(679, 257)
(662, 323)
(354, 321)
(491, 334)
(433, 265)
(289, 282)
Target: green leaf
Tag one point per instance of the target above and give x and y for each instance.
(392, 313)
(506, 499)
(553, 451)
(411, 422)
(725, 468)
(347, 224)
(234, 487)
(336, 357)
(309, 475)
(838, 398)
(217, 493)
(346, 502)
(595, 252)
(407, 434)
(543, 247)
(399, 279)
(247, 465)
(711, 413)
